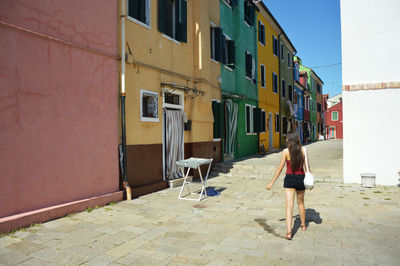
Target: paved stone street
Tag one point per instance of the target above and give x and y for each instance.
(244, 225)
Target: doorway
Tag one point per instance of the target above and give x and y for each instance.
(173, 133)
(231, 113)
(270, 129)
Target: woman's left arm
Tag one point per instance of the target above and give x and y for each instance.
(278, 170)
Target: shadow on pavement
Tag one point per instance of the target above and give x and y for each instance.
(311, 216)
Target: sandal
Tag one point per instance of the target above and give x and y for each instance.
(303, 227)
(288, 236)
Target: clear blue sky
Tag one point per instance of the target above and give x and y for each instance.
(313, 26)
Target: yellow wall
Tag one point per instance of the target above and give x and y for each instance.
(268, 100)
(158, 59)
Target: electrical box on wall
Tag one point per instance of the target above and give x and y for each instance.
(188, 125)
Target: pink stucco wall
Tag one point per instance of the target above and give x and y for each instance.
(58, 103)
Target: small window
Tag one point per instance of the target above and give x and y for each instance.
(283, 89)
(173, 99)
(261, 33)
(263, 121)
(335, 116)
(172, 19)
(139, 11)
(290, 89)
(249, 13)
(229, 52)
(148, 106)
(319, 108)
(275, 45)
(249, 65)
(274, 82)
(289, 59)
(262, 76)
(277, 123)
(218, 44)
(318, 88)
(282, 56)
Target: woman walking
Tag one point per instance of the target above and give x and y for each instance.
(293, 156)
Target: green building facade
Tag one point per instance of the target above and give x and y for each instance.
(235, 45)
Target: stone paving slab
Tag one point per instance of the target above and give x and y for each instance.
(244, 225)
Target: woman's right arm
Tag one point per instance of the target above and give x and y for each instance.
(278, 170)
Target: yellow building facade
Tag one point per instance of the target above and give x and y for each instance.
(268, 80)
(170, 84)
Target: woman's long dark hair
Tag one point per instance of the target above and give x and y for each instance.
(294, 146)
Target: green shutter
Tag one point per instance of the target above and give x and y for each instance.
(184, 21)
(181, 20)
(218, 44)
(133, 11)
(233, 3)
(219, 121)
(161, 16)
(256, 120)
(142, 10)
(231, 54)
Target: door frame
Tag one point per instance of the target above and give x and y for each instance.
(172, 107)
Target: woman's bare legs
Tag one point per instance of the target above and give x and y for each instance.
(302, 209)
(289, 192)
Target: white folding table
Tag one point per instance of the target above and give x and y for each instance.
(194, 163)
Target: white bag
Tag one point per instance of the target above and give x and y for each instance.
(309, 179)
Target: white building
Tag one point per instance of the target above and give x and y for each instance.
(371, 89)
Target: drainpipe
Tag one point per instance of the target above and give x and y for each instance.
(122, 95)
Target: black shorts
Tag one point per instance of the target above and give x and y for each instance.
(294, 181)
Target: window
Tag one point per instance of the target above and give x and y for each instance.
(219, 44)
(289, 59)
(148, 106)
(283, 89)
(308, 103)
(335, 116)
(275, 45)
(261, 33)
(172, 99)
(274, 82)
(249, 119)
(318, 88)
(263, 121)
(305, 102)
(230, 3)
(172, 19)
(249, 13)
(229, 52)
(262, 76)
(290, 93)
(319, 108)
(249, 65)
(282, 56)
(284, 125)
(277, 123)
(139, 11)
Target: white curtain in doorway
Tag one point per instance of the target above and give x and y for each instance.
(173, 142)
(232, 113)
